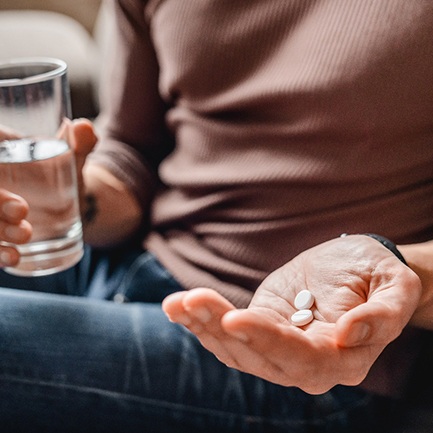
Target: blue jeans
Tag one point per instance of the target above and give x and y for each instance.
(74, 361)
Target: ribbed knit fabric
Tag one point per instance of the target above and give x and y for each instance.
(294, 121)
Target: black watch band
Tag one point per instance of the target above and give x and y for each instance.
(388, 244)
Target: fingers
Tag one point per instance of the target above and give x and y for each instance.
(369, 324)
(198, 309)
(12, 207)
(13, 227)
(272, 340)
(201, 310)
(7, 133)
(80, 135)
(174, 308)
(83, 137)
(382, 318)
(15, 233)
(255, 326)
(307, 358)
(259, 343)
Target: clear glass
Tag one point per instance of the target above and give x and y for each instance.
(38, 166)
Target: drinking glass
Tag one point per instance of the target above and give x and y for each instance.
(39, 166)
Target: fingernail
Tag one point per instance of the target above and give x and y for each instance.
(359, 333)
(12, 209)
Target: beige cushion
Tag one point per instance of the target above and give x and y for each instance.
(42, 33)
(83, 11)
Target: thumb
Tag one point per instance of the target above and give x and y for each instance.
(80, 135)
(372, 323)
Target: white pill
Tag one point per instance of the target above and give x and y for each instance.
(302, 317)
(304, 300)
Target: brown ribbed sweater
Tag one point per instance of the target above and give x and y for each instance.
(293, 121)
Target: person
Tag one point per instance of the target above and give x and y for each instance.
(237, 141)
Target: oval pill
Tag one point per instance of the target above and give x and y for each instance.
(304, 300)
(302, 317)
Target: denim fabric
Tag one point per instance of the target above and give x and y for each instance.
(86, 364)
(128, 274)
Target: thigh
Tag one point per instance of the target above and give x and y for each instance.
(124, 274)
(128, 275)
(73, 364)
(73, 281)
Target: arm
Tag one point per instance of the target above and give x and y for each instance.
(420, 258)
(104, 224)
(117, 177)
(111, 212)
(120, 175)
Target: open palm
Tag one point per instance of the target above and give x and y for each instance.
(364, 297)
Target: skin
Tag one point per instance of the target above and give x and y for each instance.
(364, 295)
(117, 214)
(361, 305)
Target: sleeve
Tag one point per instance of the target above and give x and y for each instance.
(131, 125)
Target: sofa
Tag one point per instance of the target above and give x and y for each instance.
(72, 30)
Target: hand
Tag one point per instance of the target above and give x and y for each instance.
(80, 135)
(364, 297)
(14, 228)
(7, 133)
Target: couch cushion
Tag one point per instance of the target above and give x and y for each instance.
(50, 34)
(83, 11)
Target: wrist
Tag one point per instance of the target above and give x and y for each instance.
(419, 258)
(110, 213)
(386, 243)
(389, 245)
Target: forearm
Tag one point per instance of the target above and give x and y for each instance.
(419, 257)
(111, 213)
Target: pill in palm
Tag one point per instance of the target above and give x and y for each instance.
(302, 317)
(304, 300)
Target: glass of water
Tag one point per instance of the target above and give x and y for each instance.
(39, 166)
